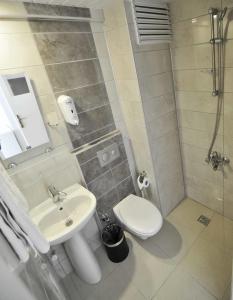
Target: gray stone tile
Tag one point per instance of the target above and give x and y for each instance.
(91, 137)
(67, 76)
(121, 171)
(91, 152)
(90, 121)
(107, 202)
(57, 26)
(92, 169)
(56, 10)
(63, 47)
(125, 188)
(88, 97)
(123, 156)
(102, 184)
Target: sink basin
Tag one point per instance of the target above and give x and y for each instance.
(58, 221)
(63, 221)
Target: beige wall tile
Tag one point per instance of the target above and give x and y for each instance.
(191, 31)
(8, 26)
(196, 101)
(193, 80)
(152, 62)
(14, 54)
(199, 138)
(208, 194)
(129, 90)
(198, 121)
(182, 10)
(192, 57)
(158, 106)
(33, 177)
(156, 85)
(162, 125)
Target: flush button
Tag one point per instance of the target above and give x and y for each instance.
(105, 157)
(108, 154)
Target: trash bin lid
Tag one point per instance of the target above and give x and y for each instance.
(140, 215)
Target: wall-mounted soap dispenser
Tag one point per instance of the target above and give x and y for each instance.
(68, 109)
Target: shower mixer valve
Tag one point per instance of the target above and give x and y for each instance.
(216, 160)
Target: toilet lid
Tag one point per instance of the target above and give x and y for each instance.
(140, 215)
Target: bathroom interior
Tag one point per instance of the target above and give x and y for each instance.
(116, 149)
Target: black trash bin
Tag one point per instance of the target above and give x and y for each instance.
(115, 243)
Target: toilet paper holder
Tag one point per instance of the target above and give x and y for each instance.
(143, 181)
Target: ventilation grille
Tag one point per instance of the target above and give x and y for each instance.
(152, 22)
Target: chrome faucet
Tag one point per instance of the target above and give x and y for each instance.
(56, 195)
(217, 160)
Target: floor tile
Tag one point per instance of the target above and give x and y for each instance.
(105, 264)
(210, 265)
(148, 270)
(219, 231)
(184, 261)
(70, 288)
(174, 239)
(187, 214)
(107, 267)
(181, 286)
(118, 286)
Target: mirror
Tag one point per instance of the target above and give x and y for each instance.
(21, 123)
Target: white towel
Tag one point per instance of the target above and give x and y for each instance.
(18, 246)
(4, 212)
(12, 200)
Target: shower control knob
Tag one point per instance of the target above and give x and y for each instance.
(226, 160)
(216, 160)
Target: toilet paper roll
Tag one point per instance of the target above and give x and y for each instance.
(143, 182)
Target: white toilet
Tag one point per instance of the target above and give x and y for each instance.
(138, 216)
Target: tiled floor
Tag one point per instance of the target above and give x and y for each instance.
(185, 261)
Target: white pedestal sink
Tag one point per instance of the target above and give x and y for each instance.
(62, 223)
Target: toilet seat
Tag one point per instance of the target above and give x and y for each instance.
(139, 215)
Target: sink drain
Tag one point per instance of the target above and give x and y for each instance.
(69, 222)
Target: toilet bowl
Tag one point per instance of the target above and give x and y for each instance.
(138, 216)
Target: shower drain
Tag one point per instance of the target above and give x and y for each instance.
(203, 220)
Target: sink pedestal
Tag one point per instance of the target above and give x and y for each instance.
(83, 259)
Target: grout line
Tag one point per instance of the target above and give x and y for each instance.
(94, 108)
(72, 61)
(188, 19)
(198, 130)
(58, 32)
(80, 87)
(95, 131)
(193, 45)
(198, 111)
